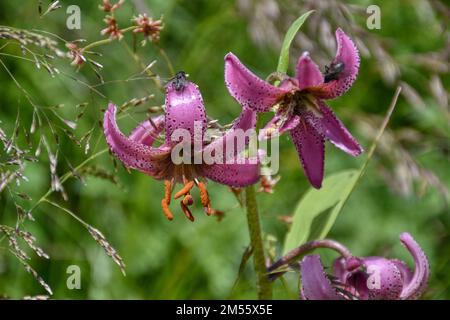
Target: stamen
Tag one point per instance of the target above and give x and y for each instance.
(185, 190)
(166, 210)
(168, 190)
(166, 201)
(186, 211)
(205, 198)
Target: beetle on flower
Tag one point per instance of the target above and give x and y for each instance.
(299, 103)
(184, 110)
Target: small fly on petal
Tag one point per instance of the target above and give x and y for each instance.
(333, 71)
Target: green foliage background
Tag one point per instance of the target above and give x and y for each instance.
(179, 259)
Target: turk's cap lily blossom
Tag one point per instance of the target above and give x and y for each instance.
(366, 278)
(184, 109)
(299, 103)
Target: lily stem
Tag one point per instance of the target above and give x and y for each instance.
(254, 227)
(276, 269)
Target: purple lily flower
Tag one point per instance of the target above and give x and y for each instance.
(299, 103)
(184, 109)
(368, 278)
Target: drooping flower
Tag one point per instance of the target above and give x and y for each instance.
(366, 278)
(184, 110)
(299, 103)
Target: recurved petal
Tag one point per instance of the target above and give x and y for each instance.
(407, 274)
(147, 131)
(247, 88)
(242, 173)
(383, 279)
(343, 267)
(340, 269)
(334, 130)
(278, 125)
(310, 146)
(418, 283)
(184, 110)
(315, 283)
(133, 154)
(236, 139)
(307, 72)
(347, 53)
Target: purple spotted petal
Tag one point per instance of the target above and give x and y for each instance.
(334, 130)
(417, 285)
(234, 174)
(407, 274)
(133, 154)
(340, 269)
(348, 54)
(278, 125)
(343, 267)
(310, 146)
(382, 279)
(247, 88)
(147, 131)
(307, 72)
(315, 283)
(183, 108)
(290, 124)
(233, 142)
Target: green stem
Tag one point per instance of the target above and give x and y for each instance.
(106, 41)
(254, 228)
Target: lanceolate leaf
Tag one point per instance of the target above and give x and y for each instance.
(319, 204)
(318, 209)
(283, 61)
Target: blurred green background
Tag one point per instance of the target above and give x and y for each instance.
(404, 189)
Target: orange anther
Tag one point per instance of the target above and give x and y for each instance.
(186, 211)
(205, 199)
(167, 191)
(166, 210)
(187, 187)
(203, 194)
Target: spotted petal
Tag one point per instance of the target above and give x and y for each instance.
(132, 153)
(307, 72)
(310, 146)
(184, 110)
(315, 283)
(236, 139)
(278, 125)
(247, 88)
(347, 53)
(147, 131)
(334, 130)
(381, 279)
(418, 283)
(242, 173)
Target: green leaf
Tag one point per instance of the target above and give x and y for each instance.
(283, 61)
(318, 209)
